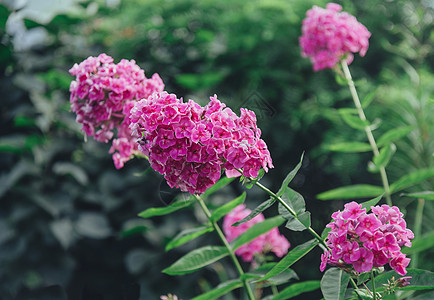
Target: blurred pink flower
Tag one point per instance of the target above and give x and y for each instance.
(329, 36)
(269, 241)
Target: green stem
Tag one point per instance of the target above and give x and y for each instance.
(417, 228)
(274, 290)
(367, 128)
(228, 247)
(374, 292)
(292, 212)
(356, 288)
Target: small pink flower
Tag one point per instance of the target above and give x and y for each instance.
(351, 252)
(399, 263)
(365, 262)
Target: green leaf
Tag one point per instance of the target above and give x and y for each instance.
(420, 244)
(372, 202)
(220, 290)
(334, 284)
(386, 153)
(349, 147)
(411, 179)
(261, 207)
(393, 135)
(226, 208)
(196, 259)
(218, 185)
(363, 277)
(325, 232)
(161, 211)
(257, 230)
(352, 120)
(427, 195)
(368, 98)
(292, 257)
(420, 280)
(297, 289)
(299, 223)
(351, 192)
(188, 235)
(294, 200)
(289, 177)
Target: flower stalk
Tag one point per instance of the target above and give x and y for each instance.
(367, 129)
(228, 247)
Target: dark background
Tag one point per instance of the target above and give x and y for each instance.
(68, 224)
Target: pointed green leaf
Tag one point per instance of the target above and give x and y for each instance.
(352, 120)
(420, 280)
(292, 257)
(257, 230)
(188, 235)
(226, 208)
(386, 153)
(351, 192)
(218, 185)
(393, 135)
(420, 244)
(294, 200)
(372, 202)
(196, 260)
(325, 232)
(161, 211)
(411, 179)
(220, 290)
(349, 147)
(299, 223)
(427, 195)
(261, 207)
(334, 284)
(297, 289)
(289, 177)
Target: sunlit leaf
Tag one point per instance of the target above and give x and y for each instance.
(352, 120)
(393, 135)
(386, 153)
(372, 202)
(196, 259)
(218, 185)
(427, 195)
(411, 179)
(351, 192)
(350, 147)
(299, 223)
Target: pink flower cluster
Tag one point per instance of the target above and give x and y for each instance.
(367, 240)
(269, 241)
(329, 35)
(102, 95)
(190, 144)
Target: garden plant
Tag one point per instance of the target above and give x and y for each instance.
(200, 149)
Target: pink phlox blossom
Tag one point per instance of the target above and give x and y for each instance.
(204, 139)
(376, 237)
(269, 241)
(102, 95)
(329, 35)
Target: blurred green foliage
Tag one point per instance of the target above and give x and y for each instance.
(68, 225)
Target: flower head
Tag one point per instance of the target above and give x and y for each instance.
(102, 96)
(191, 145)
(329, 36)
(362, 241)
(269, 241)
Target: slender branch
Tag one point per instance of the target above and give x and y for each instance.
(367, 128)
(292, 212)
(228, 247)
(356, 288)
(374, 292)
